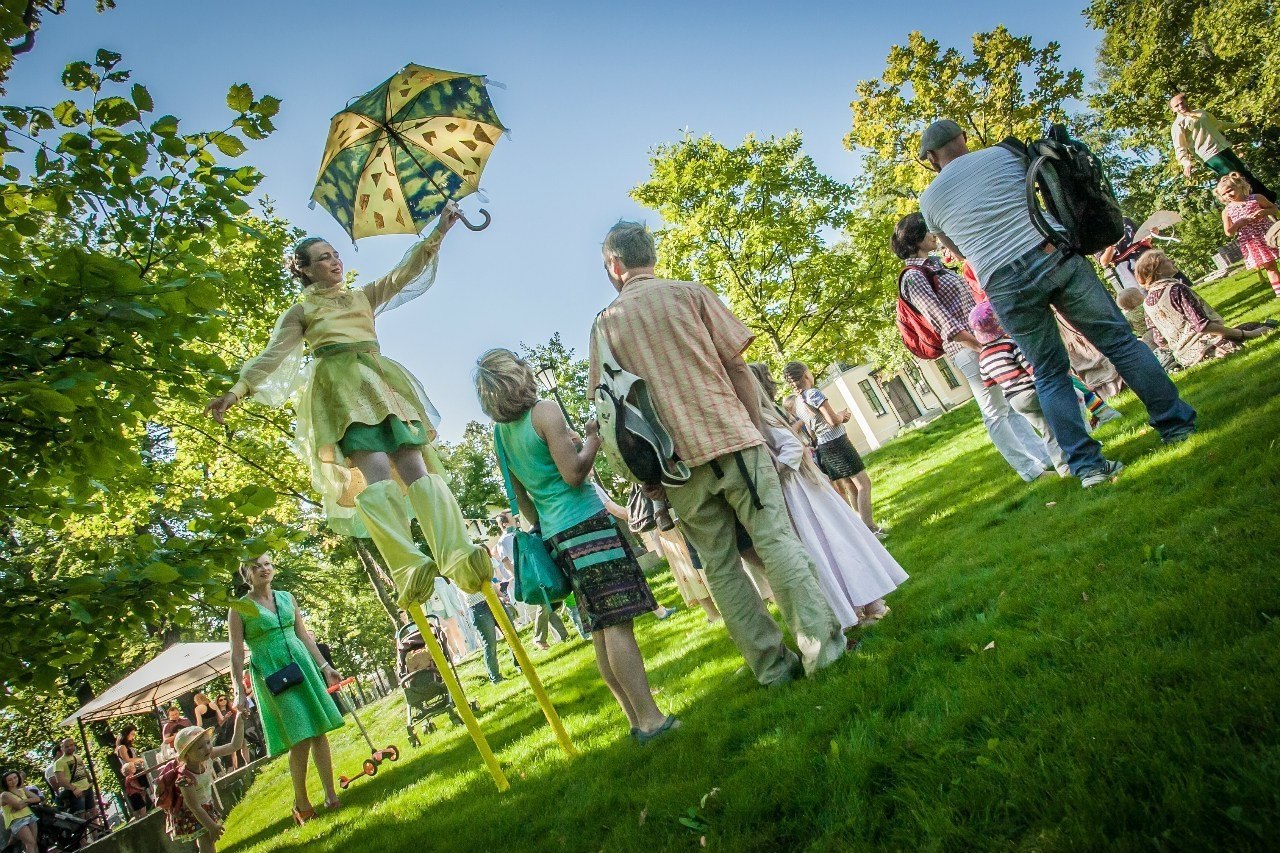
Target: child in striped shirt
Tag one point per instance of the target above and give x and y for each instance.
(1002, 363)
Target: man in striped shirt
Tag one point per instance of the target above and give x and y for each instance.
(978, 208)
(687, 346)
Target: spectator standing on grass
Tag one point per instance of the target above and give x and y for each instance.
(16, 802)
(1247, 217)
(855, 572)
(1198, 134)
(132, 766)
(545, 473)
(687, 346)
(945, 299)
(978, 206)
(487, 627)
(836, 455)
(75, 788)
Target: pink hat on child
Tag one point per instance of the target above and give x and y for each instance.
(986, 326)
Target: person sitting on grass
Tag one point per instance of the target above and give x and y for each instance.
(195, 816)
(1181, 321)
(1002, 363)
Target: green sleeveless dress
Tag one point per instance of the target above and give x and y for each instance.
(302, 711)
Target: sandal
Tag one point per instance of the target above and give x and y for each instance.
(670, 724)
(301, 817)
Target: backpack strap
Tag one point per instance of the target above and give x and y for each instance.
(929, 275)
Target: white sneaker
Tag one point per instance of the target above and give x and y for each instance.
(1102, 475)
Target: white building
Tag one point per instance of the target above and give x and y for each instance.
(884, 405)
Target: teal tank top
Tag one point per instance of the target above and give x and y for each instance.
(559, 505)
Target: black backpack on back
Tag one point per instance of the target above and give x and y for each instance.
(1067, 180)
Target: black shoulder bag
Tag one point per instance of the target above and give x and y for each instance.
(290, 675)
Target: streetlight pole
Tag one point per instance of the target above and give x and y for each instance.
(549, 380)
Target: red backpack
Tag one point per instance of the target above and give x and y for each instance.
(168, 797)
(918, 334)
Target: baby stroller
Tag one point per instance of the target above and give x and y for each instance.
(424, 692)
(59, 830)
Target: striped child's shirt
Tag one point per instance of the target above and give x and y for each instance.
(1002, 363)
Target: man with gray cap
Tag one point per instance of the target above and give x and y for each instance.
(978, 208)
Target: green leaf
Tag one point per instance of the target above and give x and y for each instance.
(78, 611)
(244, 608)
(142, 98)
(161, 573)
(67, 114)
(240, 97)
(106, 59)
(78, 75)
(229, 145)
(52, 401)
(165, 126)
(268, 106)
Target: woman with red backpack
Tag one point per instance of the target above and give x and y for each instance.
(938, 300)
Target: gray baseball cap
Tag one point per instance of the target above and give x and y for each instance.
(937, 135)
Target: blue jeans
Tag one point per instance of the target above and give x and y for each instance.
(1023, 291)
(482, 618)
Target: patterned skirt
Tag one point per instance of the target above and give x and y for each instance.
(839, 459)
(183, 824)
(607, 581)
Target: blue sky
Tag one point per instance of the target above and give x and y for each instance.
(591, 88)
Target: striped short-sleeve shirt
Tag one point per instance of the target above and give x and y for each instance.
(678, 336)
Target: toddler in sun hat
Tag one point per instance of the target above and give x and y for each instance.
(1001, 362)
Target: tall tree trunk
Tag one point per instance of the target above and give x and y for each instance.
(373, 568)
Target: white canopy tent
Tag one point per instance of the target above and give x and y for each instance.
(176, 670)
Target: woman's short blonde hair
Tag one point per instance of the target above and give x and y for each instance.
(1235, 181)
(1147, 270)
(505, 385)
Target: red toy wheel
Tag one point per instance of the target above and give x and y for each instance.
(370, 767)
(392, 753)
(343, 782)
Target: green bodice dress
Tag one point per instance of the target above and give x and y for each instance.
(302, 711)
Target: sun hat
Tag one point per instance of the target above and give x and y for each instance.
(937, 135)
(986, 326)
(189, 737)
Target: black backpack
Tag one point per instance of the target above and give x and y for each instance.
(1066, 179)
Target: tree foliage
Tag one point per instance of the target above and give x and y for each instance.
(755, 223)
(1219, 56)
(121, 238)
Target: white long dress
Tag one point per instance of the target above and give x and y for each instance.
(854, 569)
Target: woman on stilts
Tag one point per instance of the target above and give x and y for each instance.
(364, 424)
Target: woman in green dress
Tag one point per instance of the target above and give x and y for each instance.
(298, 718)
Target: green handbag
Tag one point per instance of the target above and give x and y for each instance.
(538, 577)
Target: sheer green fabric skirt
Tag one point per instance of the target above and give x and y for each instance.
(357, 399)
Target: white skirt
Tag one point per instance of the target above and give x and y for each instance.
(854, 569)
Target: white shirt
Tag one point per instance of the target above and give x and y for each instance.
(979, 201)
(1199, 132)
(507, 544)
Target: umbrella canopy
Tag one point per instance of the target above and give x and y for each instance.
(176, 670)
(1157, 221)
(398, 153)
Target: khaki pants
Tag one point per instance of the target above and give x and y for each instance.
(716, 495)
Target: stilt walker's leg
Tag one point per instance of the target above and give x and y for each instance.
(526, 665)
(459, 698)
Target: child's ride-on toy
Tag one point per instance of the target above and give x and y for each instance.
(376, 757)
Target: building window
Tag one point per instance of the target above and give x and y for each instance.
(916, 375)
(873, 398)
(947, 373)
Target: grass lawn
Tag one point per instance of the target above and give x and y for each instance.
(1065, 670)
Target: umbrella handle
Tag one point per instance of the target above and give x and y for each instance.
(481, 226)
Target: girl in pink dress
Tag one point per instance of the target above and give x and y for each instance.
(1247, 217)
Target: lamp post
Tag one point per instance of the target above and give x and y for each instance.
(548, 379)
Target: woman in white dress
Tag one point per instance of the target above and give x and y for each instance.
(855, 571)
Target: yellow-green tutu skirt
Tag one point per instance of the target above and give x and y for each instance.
(354, 398)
